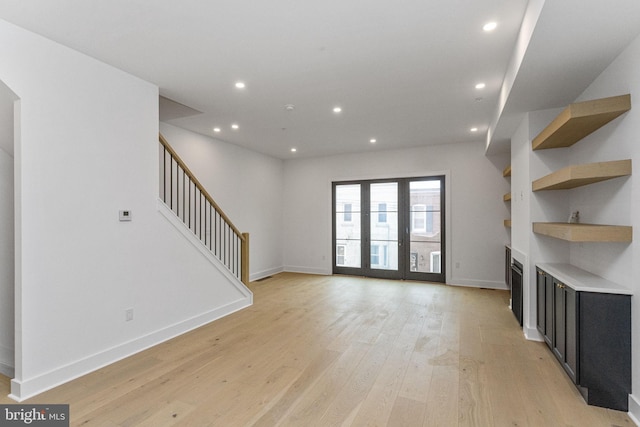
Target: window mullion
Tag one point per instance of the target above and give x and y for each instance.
(365, 211)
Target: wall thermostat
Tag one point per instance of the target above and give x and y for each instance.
(125, 215)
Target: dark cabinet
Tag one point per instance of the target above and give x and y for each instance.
(516, 290)
(541, 318)
(590, 335)
(564, 336)
(604, 349)
(507, 266)
(544, 301)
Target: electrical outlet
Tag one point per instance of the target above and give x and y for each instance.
(128, 315)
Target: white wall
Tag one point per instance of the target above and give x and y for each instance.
(520, 188)
(616, 201)
(7, 98)
(529, 207)
(6, 264)
(475, 190)
(248, 186)
(6, 232)
(87, 146)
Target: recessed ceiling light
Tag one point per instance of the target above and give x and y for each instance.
(490, 26)
(293, 150)
(373, 140)
(481, 86)
(216, 130)
(235, 126)
(337, 110)
(240, 85)
(474, 129)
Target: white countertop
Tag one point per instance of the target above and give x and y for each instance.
(581, 280)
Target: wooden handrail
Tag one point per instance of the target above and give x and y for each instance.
(200, 187)
(244, 259)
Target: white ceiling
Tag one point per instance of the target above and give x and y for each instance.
(404, 72)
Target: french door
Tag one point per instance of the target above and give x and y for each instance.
(392, 228)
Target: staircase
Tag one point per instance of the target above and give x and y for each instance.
(193, 205)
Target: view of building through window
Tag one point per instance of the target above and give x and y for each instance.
(384, 234)
(424, 239)
(382, 218)
(348, 230)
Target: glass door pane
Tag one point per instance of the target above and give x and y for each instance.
(348, 250)
(390, 228)
(425, 236)
(383, 213)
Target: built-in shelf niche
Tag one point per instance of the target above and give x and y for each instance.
(584, 232)
(570, 126)
(507, 197)
(579, 120)
(579, 175)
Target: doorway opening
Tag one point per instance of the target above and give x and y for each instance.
(391, 228)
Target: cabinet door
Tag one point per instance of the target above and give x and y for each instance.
(559, 324)
(548, 312)
(571, 333)
(541, 302)
(565, 334)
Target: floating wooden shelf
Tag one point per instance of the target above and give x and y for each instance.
(584, 232)
(579, 120)
(576, 176)
(507, 223)
(507, 197)
(507, 171)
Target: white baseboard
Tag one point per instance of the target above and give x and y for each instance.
(532, 334)
(454, 282)
(21, 390)
(634, 409)
(472, 283)
(307, 270)
(265, 273)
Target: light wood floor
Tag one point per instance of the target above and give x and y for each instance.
(325, 351)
